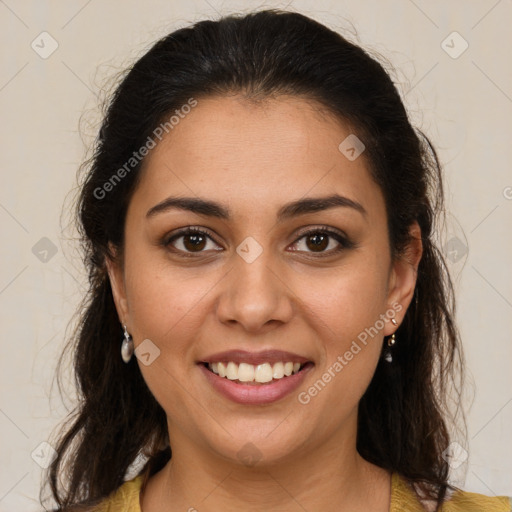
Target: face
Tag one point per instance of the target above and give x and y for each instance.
(274, 276)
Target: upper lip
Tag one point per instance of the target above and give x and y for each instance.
(264, 356)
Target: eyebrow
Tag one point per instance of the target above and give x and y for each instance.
(289, 210)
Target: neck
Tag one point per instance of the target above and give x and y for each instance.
(330, 477)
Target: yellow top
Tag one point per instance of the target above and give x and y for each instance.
(403, 499)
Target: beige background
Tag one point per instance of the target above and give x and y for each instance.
(463, 103)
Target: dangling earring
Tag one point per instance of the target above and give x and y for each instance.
(127, 346)
(391, 341)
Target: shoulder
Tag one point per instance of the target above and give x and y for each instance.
(462, 501)
(403, 497)
(124, 499)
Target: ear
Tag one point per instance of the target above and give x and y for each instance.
(116, 276)
(402, 278)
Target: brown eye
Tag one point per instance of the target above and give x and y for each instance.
(190, 240)
(194, 242)
(319, 240)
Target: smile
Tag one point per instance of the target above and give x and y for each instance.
(250, 373)
(251, 378)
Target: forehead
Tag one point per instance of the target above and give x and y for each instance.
(259, 153)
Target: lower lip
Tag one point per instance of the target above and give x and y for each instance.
(259, 393)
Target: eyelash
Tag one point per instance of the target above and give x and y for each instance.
(343, 240)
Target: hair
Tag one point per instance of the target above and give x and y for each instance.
(402, 418)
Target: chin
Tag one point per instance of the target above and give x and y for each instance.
(255, 447)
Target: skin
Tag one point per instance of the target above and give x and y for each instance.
(254, 158)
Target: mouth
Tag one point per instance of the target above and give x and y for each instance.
(256, 375)
(251, 378)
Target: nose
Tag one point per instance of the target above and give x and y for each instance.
(255, 294)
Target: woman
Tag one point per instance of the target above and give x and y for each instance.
(258, 223)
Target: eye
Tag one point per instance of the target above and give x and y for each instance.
(195, 240)
(319, 239)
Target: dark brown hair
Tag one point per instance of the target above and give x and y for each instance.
(402, 416)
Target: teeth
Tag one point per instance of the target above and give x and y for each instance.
(245, 372)
(232, 371)
(261, 373)
(278, 371)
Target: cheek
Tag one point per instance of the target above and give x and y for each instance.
(345, 311)
(165, 307)
(163, 303)
(346, 301)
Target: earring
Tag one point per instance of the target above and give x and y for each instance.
(127, 346)
(391, 341)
